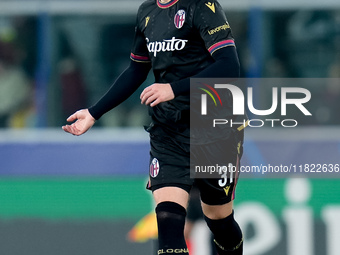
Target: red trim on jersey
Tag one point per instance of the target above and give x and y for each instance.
(220, 45)
(167, 5)
(139, 58)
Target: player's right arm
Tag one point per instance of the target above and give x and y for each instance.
(122, 88)
(125, 85)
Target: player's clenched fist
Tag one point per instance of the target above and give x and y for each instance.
(83, 122)
(157, 93)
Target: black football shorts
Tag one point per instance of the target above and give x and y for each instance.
(171, 162)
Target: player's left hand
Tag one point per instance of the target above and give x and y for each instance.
(157, 93)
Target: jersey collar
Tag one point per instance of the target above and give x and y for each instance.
(167, 5)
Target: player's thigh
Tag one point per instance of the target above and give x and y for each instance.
(169, 175)
(218, 187)
(171, 194)
(218, 191)
(217, 212)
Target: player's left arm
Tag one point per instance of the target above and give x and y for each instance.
(219, 41)
(226, 65)
(212, 24)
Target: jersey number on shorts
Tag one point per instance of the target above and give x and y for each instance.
(224, 177)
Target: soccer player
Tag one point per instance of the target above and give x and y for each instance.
(178, 39)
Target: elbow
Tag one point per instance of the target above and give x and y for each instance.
(139, 71)
(229, 62)
(231, 68)
(237, 71)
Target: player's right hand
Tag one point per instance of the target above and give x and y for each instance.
(83, 122)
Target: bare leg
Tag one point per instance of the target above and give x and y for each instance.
(171, 194)
(217, 212)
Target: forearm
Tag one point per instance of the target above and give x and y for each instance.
(226, 65)
(125, 85)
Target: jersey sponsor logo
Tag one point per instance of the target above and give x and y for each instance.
(179, 19)
(154, 168)
(219, 28)
(167, 45)
(211, 6)
(147, 21)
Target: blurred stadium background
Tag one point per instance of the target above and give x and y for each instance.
(82, 195)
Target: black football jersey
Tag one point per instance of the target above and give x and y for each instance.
(179, 39)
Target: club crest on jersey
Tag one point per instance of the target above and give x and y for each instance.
(179, 19)
(154, 168)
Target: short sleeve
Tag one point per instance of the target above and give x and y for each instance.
(139, 51)
(212, 24)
